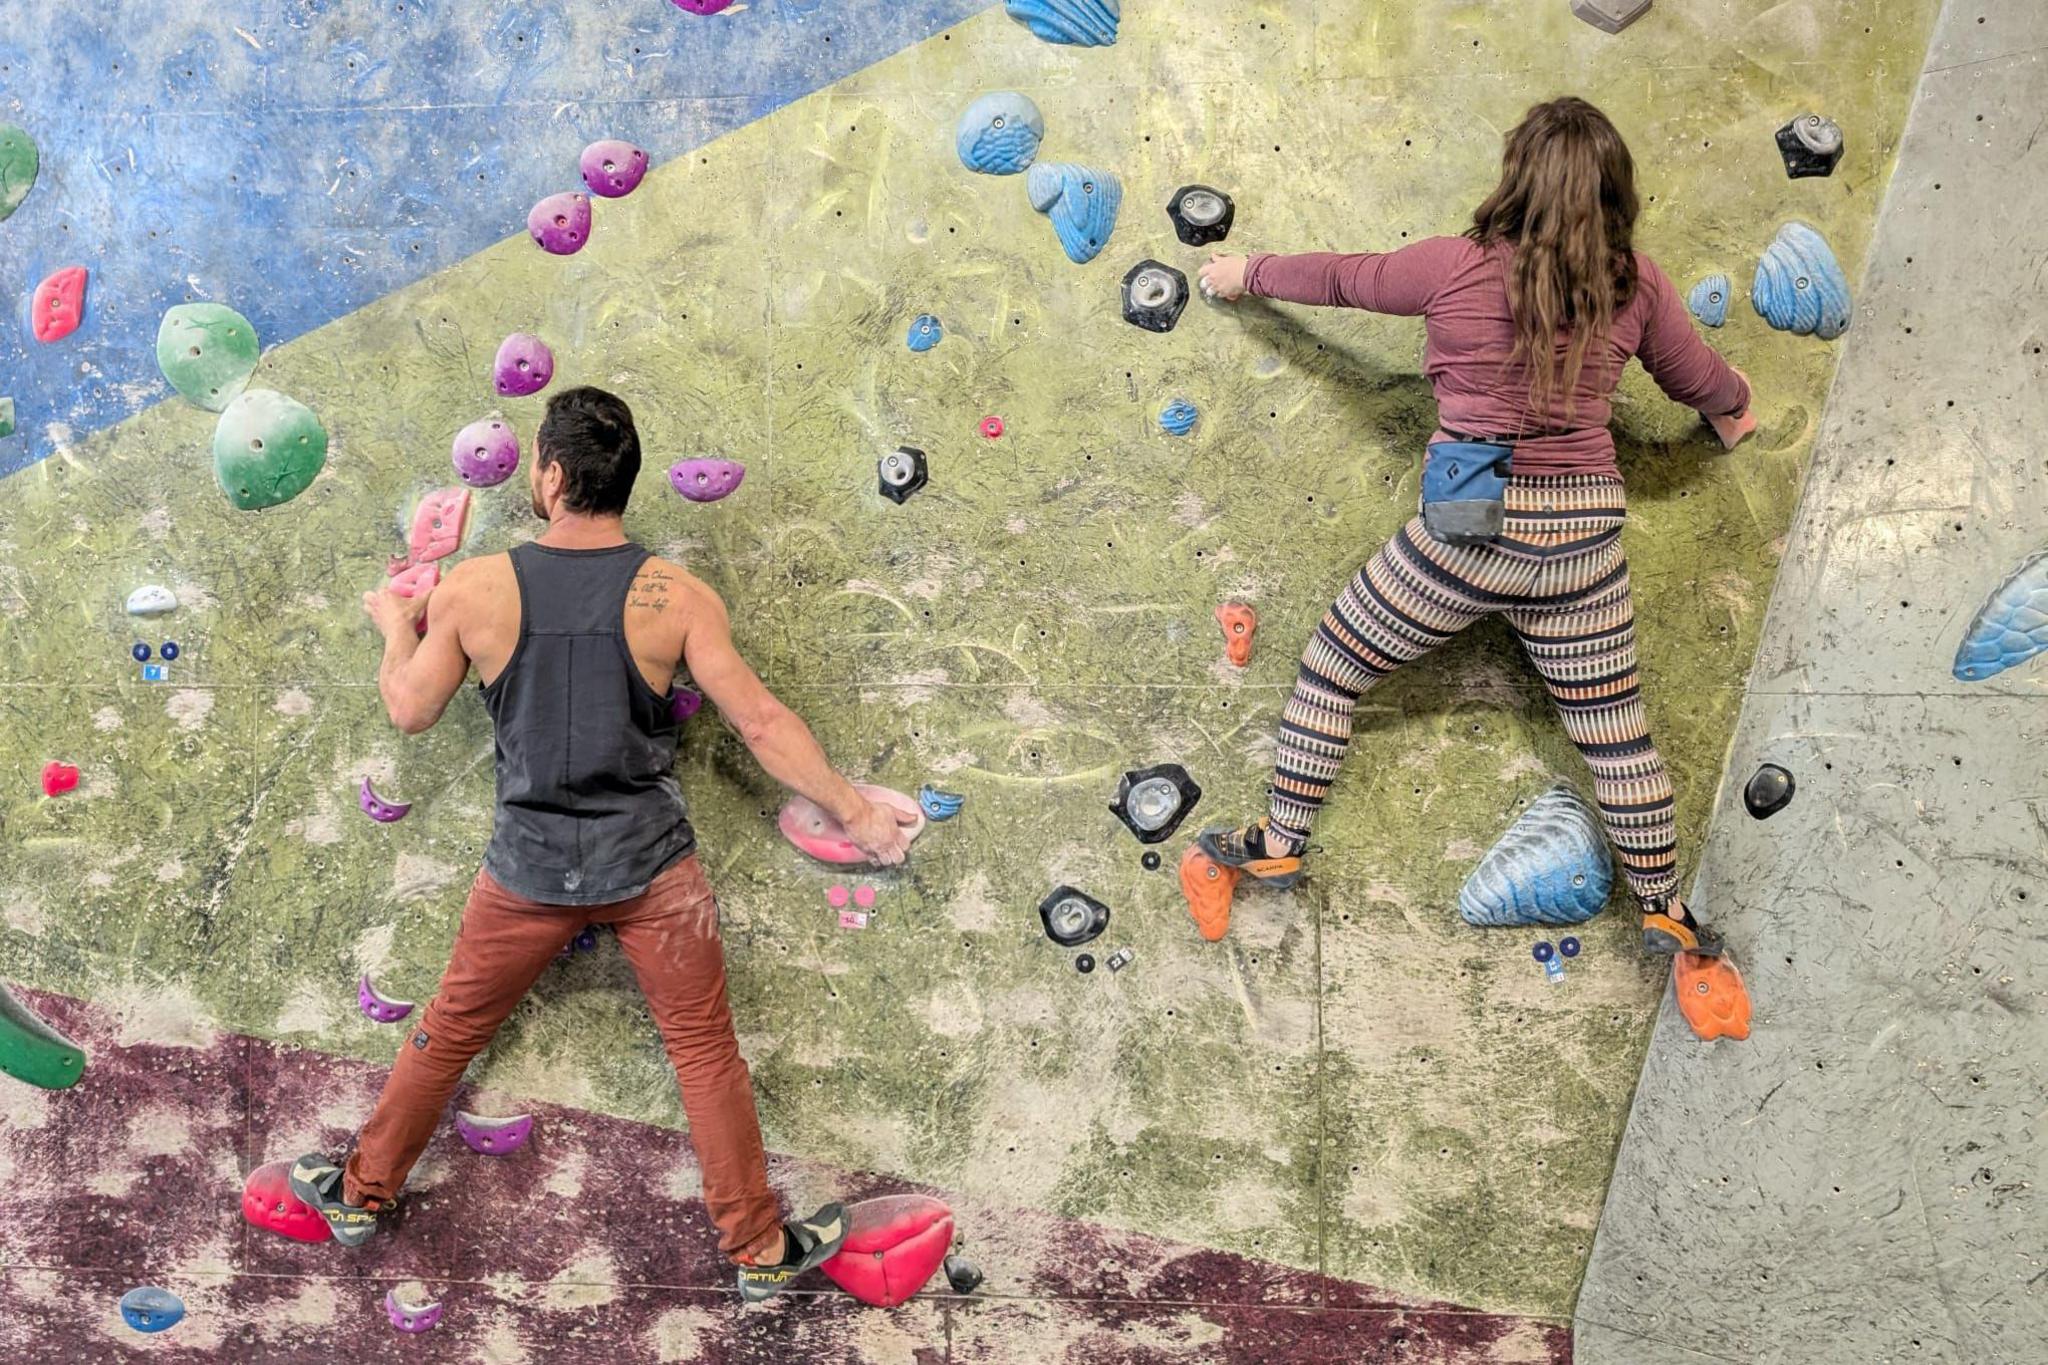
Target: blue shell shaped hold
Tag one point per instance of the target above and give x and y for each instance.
(925, 333)
(999, 133)
(1178, 417)
(1709, 300)
(938, 805)
(1800, 287)
(2012, 625)
(1551, 867)
(150, 1309)
(1081, 201)
(1083, 23)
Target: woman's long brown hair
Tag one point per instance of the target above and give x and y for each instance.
(1566, 203)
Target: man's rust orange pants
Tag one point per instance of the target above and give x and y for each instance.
(670, 936)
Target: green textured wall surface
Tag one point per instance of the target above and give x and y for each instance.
(1354, 1080)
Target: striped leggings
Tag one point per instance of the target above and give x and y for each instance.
(1559, 576)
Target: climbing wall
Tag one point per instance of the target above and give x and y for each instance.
(1353, 1103)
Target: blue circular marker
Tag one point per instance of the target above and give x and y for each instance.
(1568, 945)
(1543, 952)
(150, 1309)
(141, 652)
(170, 649)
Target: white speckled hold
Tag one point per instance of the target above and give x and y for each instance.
(151, 599)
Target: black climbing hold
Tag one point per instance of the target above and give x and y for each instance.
(902, 473)
(1811, 145)
(963, 1274)
(1085, 963)
(1153, 801)
(1201, 215)
(1150, 860)
(1154, 294)
(1769, 791)
(1072, 917)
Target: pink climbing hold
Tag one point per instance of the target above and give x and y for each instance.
(59, 777)
(524, 365)
(705, 480)
(437, 525)
(494, 1137)
(836, 897)
(561, 223)
(992, 427)
(485, 452)
(59, 304)
(613, 169)
(418, 579)
(893, 1245)
(703, 6)
(804, 823)
(864, 897)
(268, 1202)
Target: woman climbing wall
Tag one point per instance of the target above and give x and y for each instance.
(1531, 316)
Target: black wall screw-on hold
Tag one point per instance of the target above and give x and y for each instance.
(1072, 917)
(1811, 145)
(963, 1274)
(1085, 963)
(901, 473)
(1153, 801)
(1201, 215)
(1150, 862)
(1769, 791)
(1154, 294)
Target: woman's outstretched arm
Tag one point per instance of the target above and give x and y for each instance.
(1401, 282)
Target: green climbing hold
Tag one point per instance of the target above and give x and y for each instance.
(267, 449)
(207, 351)
(32, 1051)
(18, 166)
(6, 418)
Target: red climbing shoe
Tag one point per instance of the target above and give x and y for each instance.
(1711, 996)
(1208, 886)
(1245, 850)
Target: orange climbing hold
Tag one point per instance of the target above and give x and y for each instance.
(58, 305)
(1208, 885)
(1711, 995)
(1239, 624)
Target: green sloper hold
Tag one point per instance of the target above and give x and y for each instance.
(266, 449)
(18, 165)
(6, 418)
(32, 1051)
(207, 351)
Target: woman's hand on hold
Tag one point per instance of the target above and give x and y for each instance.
(882, 832)
(1733, 431)
(1223, 277)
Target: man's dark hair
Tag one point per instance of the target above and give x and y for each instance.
(590, 434)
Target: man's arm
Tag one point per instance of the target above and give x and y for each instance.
(419, 674)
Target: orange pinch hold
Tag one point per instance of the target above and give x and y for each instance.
(1208, 885)
(1240, 623)
(1711, 996)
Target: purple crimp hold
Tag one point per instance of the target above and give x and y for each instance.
(703, 6)
(612, 168)
(494, 1137)
(561, 223)
(424, 1318)
(705, 480)
(486, 452)
(524, 365)
(381, 1008)
(377, 808)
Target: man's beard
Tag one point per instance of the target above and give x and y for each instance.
(539, 510)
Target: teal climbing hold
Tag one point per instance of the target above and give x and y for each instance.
(2012, 625)
(32, 1051)
(267, 449)
(1082, 23)
(19, 163)
(1081, 201)
(207, 351)
(1178, 417)
(999, 133)
(1709, 300)
(6, 418)
(1799, 286)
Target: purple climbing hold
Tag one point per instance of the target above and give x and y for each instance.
(613, 169)
(494, 1137)
(688, 701)
(524, 365)
(703, 6)
(380, 1007)
(408, 1318)
(377, 808)
(561, 223)
(705, 480)
(486, 452)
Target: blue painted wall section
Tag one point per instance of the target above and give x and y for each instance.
(327, 173)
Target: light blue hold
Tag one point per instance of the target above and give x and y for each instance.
(1178, 417)
(2012, 625)
(925, 333)
(938, 805)
(999, 133)
(1081, 201)
(1083, 23)
(1799, 285)
(150, 1309)
(1709, 300)
(1551, 867)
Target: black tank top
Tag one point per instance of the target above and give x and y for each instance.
(589, 811)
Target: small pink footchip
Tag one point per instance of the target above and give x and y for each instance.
(836, 897)
(992, 427)
(864, 896)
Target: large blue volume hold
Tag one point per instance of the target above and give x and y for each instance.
(1081, 201)
(1551, 867)
(1083, 23)
(2012, 625)
(1799, 286)
(1709, 300)
(999, 133)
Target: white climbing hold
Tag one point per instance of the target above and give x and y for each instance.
(151, 600)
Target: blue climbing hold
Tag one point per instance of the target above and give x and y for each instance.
(1551, 867)
(938, 805)
(999, 133)
(1178, 417)
(1083, 23)
(150, 1309)
(1709, 300)
(1081, 201)
(1799, 286)
(925, 333)
(140, 653)
(170, 649)
(2012, 625)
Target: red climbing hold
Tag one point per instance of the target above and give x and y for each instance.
(992, 427)
(1208, 887)
(59, 304)
(268, 1202)
(59, 778)
(1240, 623)
(893, 1245)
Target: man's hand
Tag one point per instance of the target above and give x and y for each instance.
(882, 832)
(1223, 277)
(393, 614)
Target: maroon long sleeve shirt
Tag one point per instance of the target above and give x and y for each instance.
(1460, 289)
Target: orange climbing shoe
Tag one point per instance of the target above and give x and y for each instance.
(1245, 850)
(1208, 886)
(1711, 996)
(1669, 929)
